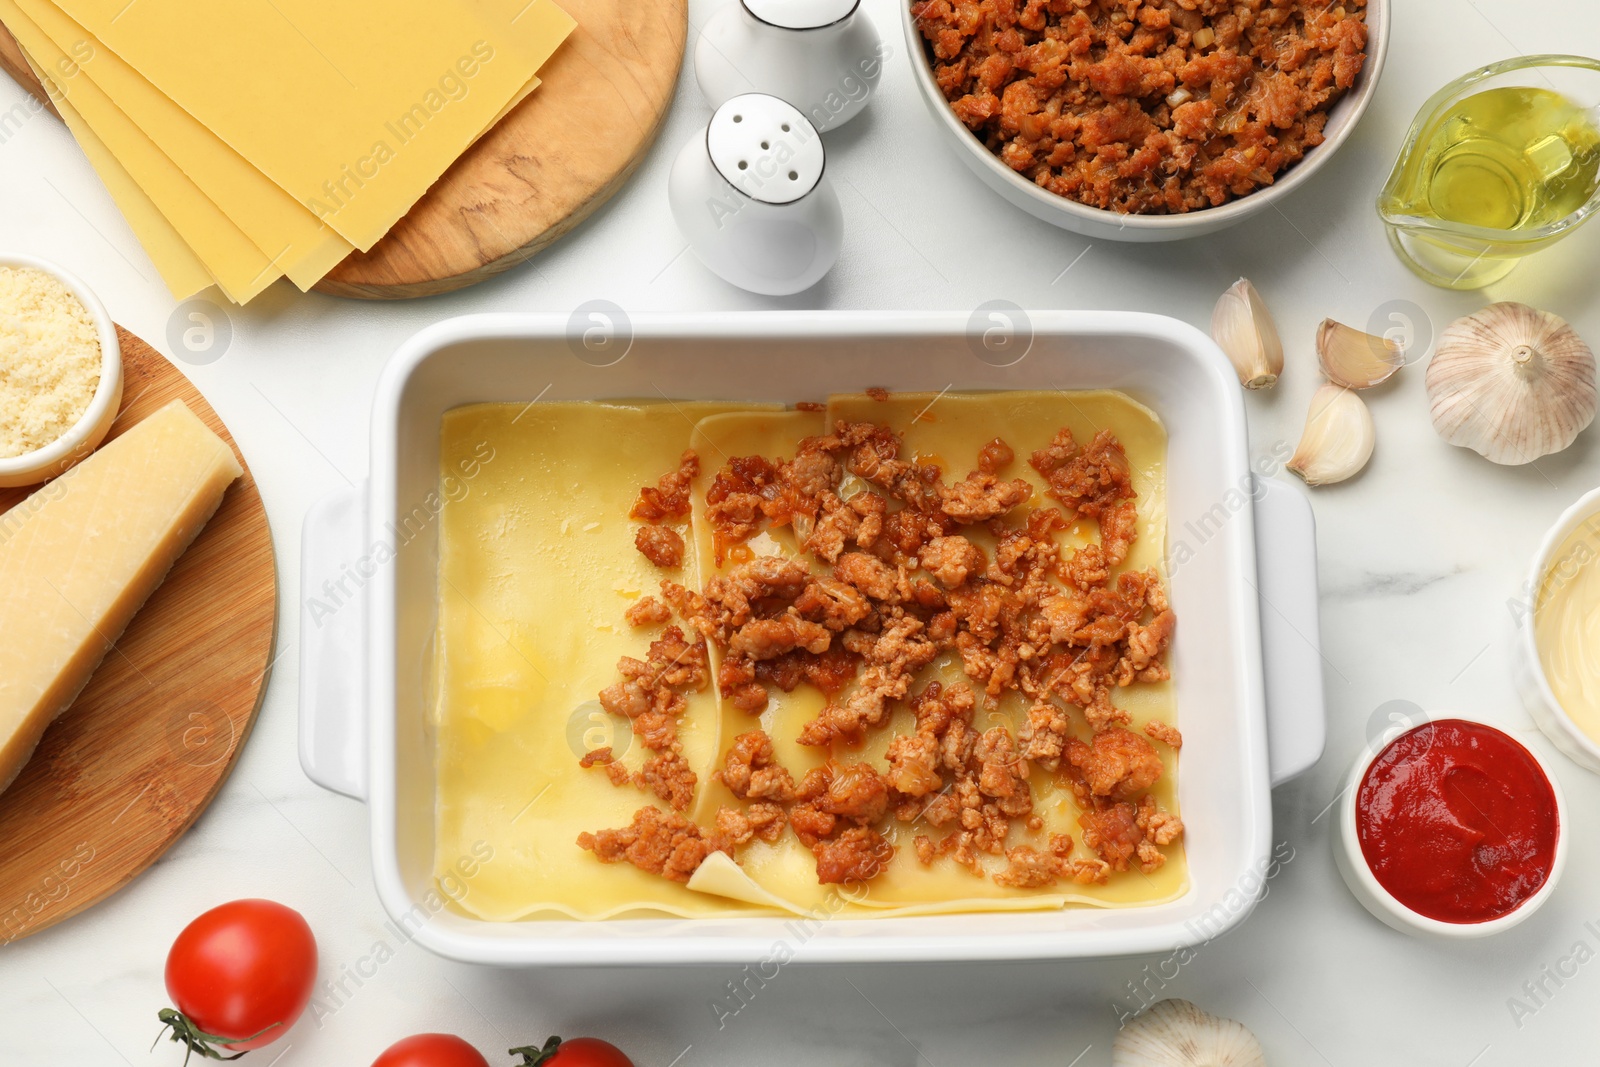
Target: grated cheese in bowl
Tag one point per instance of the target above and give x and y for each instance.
(50, 360)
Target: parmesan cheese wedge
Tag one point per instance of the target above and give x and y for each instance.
(81, 555)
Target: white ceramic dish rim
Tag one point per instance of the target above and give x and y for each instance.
(1586, 507)
(1350, 110)
(359, 756)
(1372, 893)
(107, 392)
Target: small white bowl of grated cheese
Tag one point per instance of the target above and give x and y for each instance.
(60, 370)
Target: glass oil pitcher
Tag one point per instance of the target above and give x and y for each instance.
(1499, 164)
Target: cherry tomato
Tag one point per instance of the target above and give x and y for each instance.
(431, 1050)
(579, 1052)
(239, 975)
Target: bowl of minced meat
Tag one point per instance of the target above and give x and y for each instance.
(1141, 120)
(60, 371)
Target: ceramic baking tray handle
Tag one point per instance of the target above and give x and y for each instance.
(333, 741)
(1291, 650)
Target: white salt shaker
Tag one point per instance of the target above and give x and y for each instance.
(823, 56)
(750, 195)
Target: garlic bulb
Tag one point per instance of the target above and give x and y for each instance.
(1354, 359)
(1243, 328)
(1511, 383)
(1338, 438)
(1175, 1033)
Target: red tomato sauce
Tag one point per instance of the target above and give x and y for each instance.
(1457, 821)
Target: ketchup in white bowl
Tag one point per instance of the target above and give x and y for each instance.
(1459, 826)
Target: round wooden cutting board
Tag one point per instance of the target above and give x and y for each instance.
(131, 765)
(540, 172)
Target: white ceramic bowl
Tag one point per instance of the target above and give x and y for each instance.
(1115, 226)
(1381, 903)
(87, 433)
(1247, 679)
(1527, 664)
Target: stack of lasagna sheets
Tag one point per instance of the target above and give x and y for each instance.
(257, 139)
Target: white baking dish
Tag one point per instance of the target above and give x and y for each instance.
(364, 694)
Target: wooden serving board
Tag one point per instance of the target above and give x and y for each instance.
(131, 765)
(540, 172)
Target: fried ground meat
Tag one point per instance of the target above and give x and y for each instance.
(737, 679)
(893, 658)
(670, 845)
(836, 529)
(672, 661)
(737, 501)
(1002, 774)
(1094, 481)
(914, 765)
(669, 776)
(1116, 763)
(602, 757)
(835, 604)
(856, 792)
(952, 560)
(647, 611)
(980, 497)
(1113, 832)
(832, 670)
(833, 815)
(1125, 834)
(751, 771)
(761, 639)
(1044, 736)
(869, 575)
(1031, 868)
(763, 821)
(1145, 106)
(1167, 735)
(894, 579)
(977, 784)
(669, 497)
(1160, 827)
(995, 457)
(661, 545)
(858, 855)
(657, 842)
(650, 694)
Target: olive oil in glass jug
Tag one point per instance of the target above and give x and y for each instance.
(1499, 164)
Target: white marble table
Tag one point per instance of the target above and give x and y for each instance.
(1420, 556)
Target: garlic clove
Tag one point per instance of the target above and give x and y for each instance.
(1245, 331)
(1175, 1033)
(1338, 438)
(1354, 359)
(1511, 383)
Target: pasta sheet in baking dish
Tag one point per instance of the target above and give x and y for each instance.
(537, 565)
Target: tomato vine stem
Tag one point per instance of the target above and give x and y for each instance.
(179, 1029)
(534, 1055)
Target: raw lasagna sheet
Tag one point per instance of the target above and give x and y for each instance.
(536, 567)
(353, 108)
(549, 526)
(281, 229)
(239, 268)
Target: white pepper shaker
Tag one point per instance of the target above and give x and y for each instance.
(750, 195)
(823, 56)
